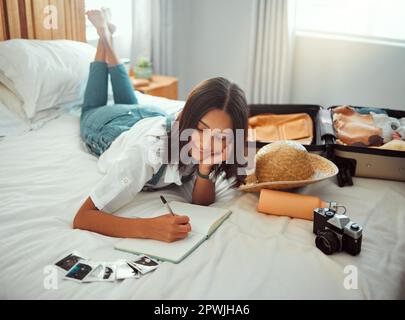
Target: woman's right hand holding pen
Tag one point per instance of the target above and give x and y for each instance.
(167, 228)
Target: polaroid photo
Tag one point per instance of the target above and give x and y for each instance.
(104, 272)
(125, 270)
(144, 264)
(81, 270)
(68, 261)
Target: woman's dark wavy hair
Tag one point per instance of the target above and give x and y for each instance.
(216, 93)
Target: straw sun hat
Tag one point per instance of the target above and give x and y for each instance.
(287, 165)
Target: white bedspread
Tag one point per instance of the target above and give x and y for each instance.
(46, 175)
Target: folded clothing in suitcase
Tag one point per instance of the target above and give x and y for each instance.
(370, 158)
(367, 127)
(374, 161)
(300, 116)
(277, 127)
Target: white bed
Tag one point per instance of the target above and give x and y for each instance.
(46, 175)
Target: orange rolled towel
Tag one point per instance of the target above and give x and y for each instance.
(289, 204)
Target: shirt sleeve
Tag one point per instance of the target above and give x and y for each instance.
(125, 178)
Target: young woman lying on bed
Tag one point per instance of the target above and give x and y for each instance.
(215, 106)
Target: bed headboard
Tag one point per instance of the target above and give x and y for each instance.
(42, 19)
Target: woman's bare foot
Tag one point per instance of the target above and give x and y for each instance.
(96, 17)
(108, 18)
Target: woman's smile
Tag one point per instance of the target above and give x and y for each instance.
(204, 152)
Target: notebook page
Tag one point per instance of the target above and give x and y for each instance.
(201, 218)
(162, 250)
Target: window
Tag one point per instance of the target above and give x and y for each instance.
(382, 19)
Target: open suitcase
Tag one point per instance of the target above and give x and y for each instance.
(351, 161)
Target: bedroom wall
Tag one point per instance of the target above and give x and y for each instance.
(337, 71)
(211, 39)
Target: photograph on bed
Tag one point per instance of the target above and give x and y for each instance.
(205, 149)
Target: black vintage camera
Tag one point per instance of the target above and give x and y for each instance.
(336, 232)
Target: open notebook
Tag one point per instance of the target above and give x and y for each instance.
(204, 221)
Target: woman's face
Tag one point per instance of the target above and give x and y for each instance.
(210, 137)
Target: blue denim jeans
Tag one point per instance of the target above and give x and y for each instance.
(101, 124)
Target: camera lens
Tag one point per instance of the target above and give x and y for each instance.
(327, 242)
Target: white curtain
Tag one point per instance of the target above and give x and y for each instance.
(141, 30)
(271, 51)
(151, 33)
(162, 40)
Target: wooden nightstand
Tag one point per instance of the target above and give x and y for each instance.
(159, 86)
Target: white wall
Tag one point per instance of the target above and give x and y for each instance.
(338, 71)
(211, 38)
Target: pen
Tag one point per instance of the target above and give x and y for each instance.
(167, 205)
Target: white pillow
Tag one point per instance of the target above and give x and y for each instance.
(45, 74)
(12, 102)
(10, 123)
(13, 119)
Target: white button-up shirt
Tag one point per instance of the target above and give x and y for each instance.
(130, 162)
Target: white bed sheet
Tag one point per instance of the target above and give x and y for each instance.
(46, 175)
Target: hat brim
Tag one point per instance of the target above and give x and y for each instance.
(324, 169)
